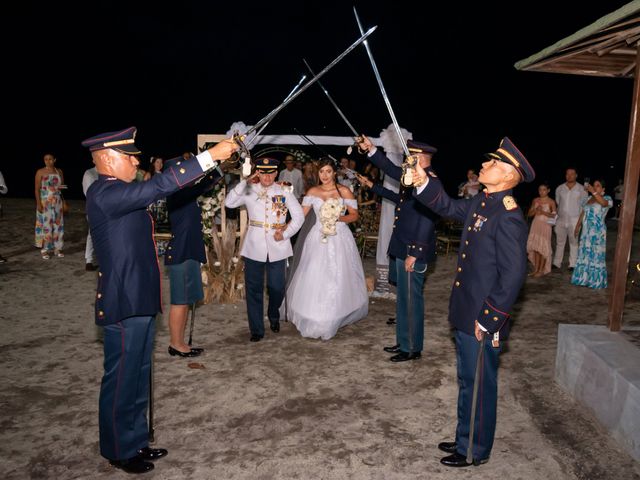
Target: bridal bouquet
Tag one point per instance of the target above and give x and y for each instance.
(330, 211)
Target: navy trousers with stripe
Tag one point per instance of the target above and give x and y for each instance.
(254, 280)
(410, 311)
(467, 347)
(124, 394)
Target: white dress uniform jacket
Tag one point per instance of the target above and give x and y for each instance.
(265, 209)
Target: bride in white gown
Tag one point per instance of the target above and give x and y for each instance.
(328, 289)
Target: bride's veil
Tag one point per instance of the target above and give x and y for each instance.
(308, 224)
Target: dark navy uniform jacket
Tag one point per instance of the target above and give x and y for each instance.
(185, 216)
(492, 261)
(122, 233)
(414, 227)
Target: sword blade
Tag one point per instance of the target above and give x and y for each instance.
(193, 316)
(276, 110)
(474, 399)
(255, 137)
(382, 89)
(335, 105)
(311, 142)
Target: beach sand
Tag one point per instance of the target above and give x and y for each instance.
(286, 407)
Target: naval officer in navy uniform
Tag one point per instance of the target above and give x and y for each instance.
(491, 268)
(411, 248)
(128, 293)
(266, 244)
(183, 257)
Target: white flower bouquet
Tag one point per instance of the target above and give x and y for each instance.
(330, 212)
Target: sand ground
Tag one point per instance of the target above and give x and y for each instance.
(286, 407)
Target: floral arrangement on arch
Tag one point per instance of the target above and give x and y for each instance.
(330, 212)
(211, 204)
(222, 275)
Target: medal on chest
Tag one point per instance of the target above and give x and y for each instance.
(479, 223)
(279, 206)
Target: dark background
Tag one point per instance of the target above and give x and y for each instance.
(196, 67)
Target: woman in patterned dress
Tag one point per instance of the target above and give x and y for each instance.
(49, 231)
(591, 268)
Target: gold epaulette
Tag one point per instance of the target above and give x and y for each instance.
(509, 202)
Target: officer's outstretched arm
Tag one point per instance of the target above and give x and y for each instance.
(431, 194)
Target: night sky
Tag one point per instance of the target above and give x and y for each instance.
(196, 67)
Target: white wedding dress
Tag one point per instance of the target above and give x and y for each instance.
(328, 289)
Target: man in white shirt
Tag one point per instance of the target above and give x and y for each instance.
(90, 176)
(346, 174)
(472, 187)
(266, 244)
(569, 198)
(293, 176)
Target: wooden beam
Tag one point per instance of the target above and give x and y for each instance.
(624, 51)
(625, 222)
(616, 47)
(616, 39)
(617, 26)
(627, 70)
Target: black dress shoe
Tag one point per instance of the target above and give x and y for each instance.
(255, 338)
(449, 447)
(197, 350)
(391, 321)
(404, 356)
(457, 460)
(147, 453)
(392, 349)
(90, 267)
(173, 352)
(133, 465)
(275, 327)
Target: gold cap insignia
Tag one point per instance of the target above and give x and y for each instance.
(265, 161)
(509, 202)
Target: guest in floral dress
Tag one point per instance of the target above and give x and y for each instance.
(543, 209)
(49, 231)
(591, 268)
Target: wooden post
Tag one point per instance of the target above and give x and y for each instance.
(625, 222)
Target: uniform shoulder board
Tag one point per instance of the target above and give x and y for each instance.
(432, 173)
(509, 202)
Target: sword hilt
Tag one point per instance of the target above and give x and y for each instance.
(358, 141)
(409, 170)
(242, 150)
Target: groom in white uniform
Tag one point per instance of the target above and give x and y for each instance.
(266, 244)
